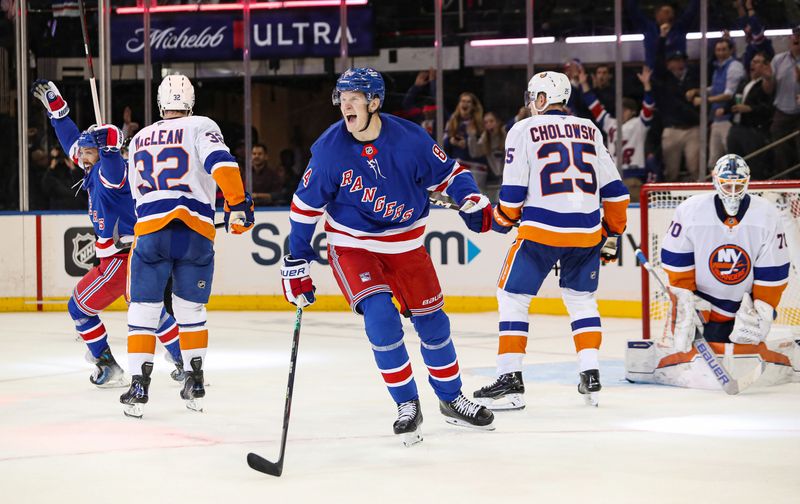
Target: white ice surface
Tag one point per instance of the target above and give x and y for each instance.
(63, 441)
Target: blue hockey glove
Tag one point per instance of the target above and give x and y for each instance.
(501, 223)
(609, 252)
(51, 98)
(298, 288)
(108, 137)
(240, 218)
(476, 210)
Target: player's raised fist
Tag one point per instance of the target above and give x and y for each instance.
(298, 288)
(476, 210)
(109, 138)
(240, 218)
(51, 98)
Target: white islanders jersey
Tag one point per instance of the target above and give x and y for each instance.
(170, 168)
(721, 258)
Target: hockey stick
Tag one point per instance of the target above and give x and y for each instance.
(121, 245)
(730, 385)
(87, 50)
(258, 462)
(452, 206)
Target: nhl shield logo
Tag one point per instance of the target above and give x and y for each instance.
(79, 251)
(729, 264)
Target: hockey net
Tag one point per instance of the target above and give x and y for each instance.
(657, 205)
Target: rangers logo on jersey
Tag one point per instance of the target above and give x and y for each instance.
(729, 264)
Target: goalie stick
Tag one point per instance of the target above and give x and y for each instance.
(258, 462)
(729, 384)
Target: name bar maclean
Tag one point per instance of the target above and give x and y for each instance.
(294, 33)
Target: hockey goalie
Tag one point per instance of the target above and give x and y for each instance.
(726, 256)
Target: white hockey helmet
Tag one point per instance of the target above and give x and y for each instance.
(731, 176)
(175, 93)
(555, 86)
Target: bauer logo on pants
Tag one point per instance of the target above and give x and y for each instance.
(79, 254)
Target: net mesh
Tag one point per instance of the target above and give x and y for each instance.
(661, 205)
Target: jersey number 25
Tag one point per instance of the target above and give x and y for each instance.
(567, 157)
(162, 171)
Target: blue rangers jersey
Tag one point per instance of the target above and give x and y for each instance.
(374, 194)
(109, 193)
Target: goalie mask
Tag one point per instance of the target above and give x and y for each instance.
(175, 93)
(555, 86)
(731, 176)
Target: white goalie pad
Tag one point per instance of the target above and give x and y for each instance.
(647, 362)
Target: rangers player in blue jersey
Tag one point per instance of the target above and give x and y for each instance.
(96, 151)
(370, 175)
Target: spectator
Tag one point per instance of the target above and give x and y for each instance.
(602, 88)
(421, 96)
(782, 79)
(59, 183)
(681, 136)
(753, 33)
(129, 128)
(572, 69)
(523, 113)
(728, 73)
(665, 26)
(752, 115)
(269, 185)
(492, 145)
(462, 129)
(37, 167)
(635, 125)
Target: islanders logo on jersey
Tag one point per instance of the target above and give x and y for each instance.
(729, 264)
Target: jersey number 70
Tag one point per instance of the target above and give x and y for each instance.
(567, 157)
(160, 172)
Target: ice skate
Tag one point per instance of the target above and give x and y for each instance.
(462, 411)
(506, 393)
(178, 374)
(590, 386)
(409, 421)
(136, 396)
(193, 389)
(107, 373)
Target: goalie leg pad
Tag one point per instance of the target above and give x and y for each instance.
(439, 354)
(513, 329)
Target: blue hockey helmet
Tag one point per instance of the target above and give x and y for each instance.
(87, 138)
(731, 176)
(365, 80)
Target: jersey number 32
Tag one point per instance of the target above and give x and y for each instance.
(162, 171)
(567, 157)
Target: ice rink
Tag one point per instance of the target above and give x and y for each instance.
(63, 440)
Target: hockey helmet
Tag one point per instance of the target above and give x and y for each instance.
(555, 86)
(365, 80)
(175, 93)
(87, 139)
(731, 176)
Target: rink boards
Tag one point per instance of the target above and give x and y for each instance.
(44, 254)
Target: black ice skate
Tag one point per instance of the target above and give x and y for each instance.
(590, 386)
(107, 373)
(504, 394)
(193, 389)
(136, 396)
(409, 420)
(178, 374)
(462, 411)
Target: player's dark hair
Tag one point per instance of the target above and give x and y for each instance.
(257, 144)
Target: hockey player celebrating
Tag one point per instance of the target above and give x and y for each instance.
(371, 173)
(174, 166)
(557, 175)
(97, 152)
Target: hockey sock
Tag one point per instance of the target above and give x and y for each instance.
(191, 317)
(586, 329)
(439, 354)
(167, 333)
(385, 333)
(513, 330)
(90, 327)
(141, 347)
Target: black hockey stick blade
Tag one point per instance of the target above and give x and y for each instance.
(263, 465)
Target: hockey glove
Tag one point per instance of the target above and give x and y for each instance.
(501, 222)
(476, 210)
(753, 321)
(51, 98)
(108, 138)
(240, 218)
(609, 252)
(298, 288)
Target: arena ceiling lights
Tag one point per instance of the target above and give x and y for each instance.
(289, 4)
(600, 39)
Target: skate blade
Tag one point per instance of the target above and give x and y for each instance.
(118, 383)
(509, 402)
(195, 404)
(133, 410)
(412, 438)
(592, 399)
(462, 423)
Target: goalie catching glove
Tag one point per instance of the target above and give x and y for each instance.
(298, 288)
(476, 210)
(753, 321)
(51, 98)
(240, 218)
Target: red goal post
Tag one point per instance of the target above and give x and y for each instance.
(658, 202)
